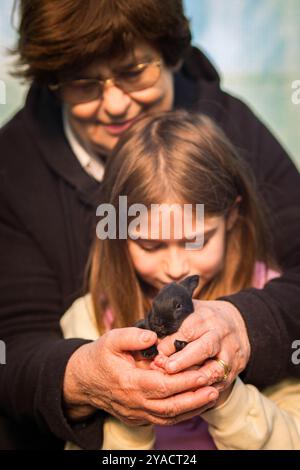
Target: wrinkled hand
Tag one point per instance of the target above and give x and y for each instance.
(215, 329)
(104, 375)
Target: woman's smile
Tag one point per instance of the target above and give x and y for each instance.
(119, 127)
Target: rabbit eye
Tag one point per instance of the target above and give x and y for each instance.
(178, 306)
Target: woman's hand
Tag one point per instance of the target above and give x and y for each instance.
(216, 329)
(104, 375)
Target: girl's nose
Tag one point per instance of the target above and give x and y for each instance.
(176, 264)
(115, 101)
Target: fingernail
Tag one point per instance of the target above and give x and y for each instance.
(172, 366)
(147, 336)
(212, 396)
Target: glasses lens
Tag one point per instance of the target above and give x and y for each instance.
(81, 91)
(139, 78)
(136, 79)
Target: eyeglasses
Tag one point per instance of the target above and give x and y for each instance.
(138, 78)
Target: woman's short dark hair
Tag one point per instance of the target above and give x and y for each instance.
(59, 37)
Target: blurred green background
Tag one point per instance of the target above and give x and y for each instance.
(255, 45)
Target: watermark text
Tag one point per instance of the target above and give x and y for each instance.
(296, 93)
(2, 92)
(296, 353)
(166, 221)
(2, 353)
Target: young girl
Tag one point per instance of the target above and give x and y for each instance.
(180, 158)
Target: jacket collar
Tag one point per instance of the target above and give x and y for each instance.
(43, 118)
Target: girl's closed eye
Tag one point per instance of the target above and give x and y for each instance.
(206, 240)
(150, 246)
(153, 245)
(209, 235)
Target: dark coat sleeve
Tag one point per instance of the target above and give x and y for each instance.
(272, 315)
(30, 310)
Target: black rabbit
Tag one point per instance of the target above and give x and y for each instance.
(170, 307)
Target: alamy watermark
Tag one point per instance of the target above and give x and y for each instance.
(296, 353)
(2, 353)
(2, 92)
(296, 93)
(152, 222)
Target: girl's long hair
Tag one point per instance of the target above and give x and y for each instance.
(185, 158)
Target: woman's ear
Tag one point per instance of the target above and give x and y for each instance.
(233, 213)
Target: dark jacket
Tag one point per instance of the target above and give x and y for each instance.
(47, 223)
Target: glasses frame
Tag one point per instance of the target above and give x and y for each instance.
(55, 87)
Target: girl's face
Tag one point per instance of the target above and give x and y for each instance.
(100, 123)
(160, 261)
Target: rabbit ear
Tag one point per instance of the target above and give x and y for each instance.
(190, 283)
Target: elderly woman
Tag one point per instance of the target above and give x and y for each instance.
(96, 67)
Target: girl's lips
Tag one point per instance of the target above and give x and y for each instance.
(116, 129)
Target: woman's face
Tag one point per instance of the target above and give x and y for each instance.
(100, 123)
(161, 261)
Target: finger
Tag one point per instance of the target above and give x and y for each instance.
(160, 360)
(194, 353)
(164, 411)
(159, 385)
(191, 329)
(213, 372)
(166, 345)
(154, 366)
(192, 414)
(180, 418)
(140, 417)
(167, 348)
(187, 402)
(130, 339)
